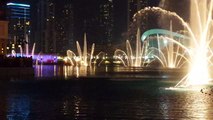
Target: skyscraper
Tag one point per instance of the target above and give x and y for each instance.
(133, 7)
(106, 20)
(44, 23)
(45, 27)
(18, 16)
(64, 27)
(96, 19)
(53, 26)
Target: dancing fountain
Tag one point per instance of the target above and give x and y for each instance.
(81, 62)
(175, 53)
(83, 58)
(164, 52)
(128, 58)
(26, 50)
(201, 51)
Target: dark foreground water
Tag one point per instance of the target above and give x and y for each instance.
(100, 99)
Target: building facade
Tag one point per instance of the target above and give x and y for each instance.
(64, 28)
(44, 27)
(53, 26)
(106, 22)
(18, 16)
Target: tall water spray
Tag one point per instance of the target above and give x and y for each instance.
(27, 45)
(148, 55)
(199, 54)
(82, 57)
(33, 50)
(200, 50)
(201, 25)
(138, 55)
(130, 58)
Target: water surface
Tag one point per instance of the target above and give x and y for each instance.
(98, 98)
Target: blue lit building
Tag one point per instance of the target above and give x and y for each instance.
(18, 16)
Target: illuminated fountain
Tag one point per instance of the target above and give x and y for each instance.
(83, 58)
(166, 52)
(26, 50)
(33, 50)
(201, 52)
(169, 53)
(198, 54)
(128, 58)
(26, 45)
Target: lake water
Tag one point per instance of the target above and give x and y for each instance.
(96, 98)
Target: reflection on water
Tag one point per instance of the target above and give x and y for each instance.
(187, 104)
(103, 71)
(99, 99)
(63, 71)
(198, 107)
(18, 107)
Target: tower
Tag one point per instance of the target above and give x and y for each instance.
(106, 22)
(18, 16)
(45, 26)
(64, 27)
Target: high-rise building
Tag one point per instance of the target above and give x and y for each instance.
(53, 26)
(106, 22)
(44, 23)
(64, 28)
(18, 16)
(133, 7)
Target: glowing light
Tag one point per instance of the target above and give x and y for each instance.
(18, 4)
(59, 57)
(28, 23)
(130, 59)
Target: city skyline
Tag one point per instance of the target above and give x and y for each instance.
(106, 59)
(85, 17)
